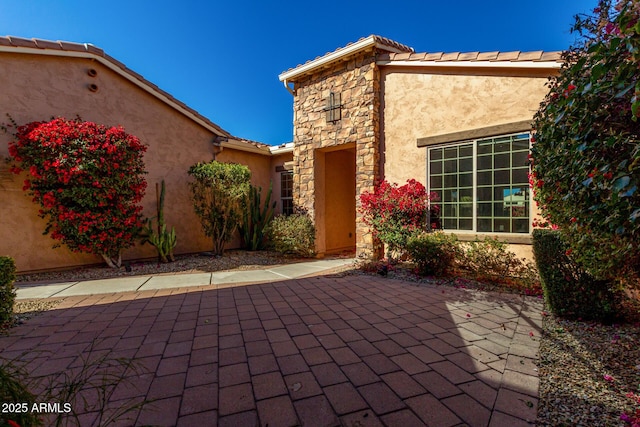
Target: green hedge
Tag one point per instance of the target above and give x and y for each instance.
(569, 290)
(433, 253)
(7, 292)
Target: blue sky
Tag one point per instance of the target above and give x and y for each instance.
(222, 58)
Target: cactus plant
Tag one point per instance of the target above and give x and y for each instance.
(163, 240)
(256, 217)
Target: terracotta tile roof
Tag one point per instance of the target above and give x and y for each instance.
(395, 52)
(515, 56)
(382, 43)
(90, 50)
(254, 143)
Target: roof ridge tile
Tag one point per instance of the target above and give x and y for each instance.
(509, 56)
(21, 42)
(47, 44)
(450, 56)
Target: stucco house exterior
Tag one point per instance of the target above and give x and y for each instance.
(457, 122)
(41, 79)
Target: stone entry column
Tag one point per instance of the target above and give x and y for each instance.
(357, 81)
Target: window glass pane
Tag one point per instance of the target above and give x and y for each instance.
(485, 162)
(287, 206)
(520, 158)
(466, 180)
(450, 166)
(484, 209)
(484, 225)
(435, 153)
(435, 182)
(501, 177)
(435, 167)
(485, 147)
(485, 194)
(466, 224)
(451, 153)
(466, 165)
(449, 209)
(500, 210)
(466, 150)
(466, 210)
(520, 210)
(451, 180)
(520, 226)
(485, 178)
(450, 195)
(502, 225)
(466, 195)
(450, 224)
(521, 144)
(502, 161)
(502, 147)
(500, 192)
(520, 176)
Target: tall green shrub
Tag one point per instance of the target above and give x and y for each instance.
(7, 291)
(217, 193)
(569, 290)
(292, 234)
(586, 158)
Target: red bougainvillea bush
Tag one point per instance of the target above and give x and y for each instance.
(396, 212)
(88, 180)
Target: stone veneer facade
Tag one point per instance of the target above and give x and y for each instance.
(357, 80)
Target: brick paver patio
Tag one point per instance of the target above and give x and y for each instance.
(322, 351)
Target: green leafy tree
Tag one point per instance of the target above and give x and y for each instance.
(218, 192)
(586, 158)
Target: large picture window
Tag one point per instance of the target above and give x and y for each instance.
(483, 185)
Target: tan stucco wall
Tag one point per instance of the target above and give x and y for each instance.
(435, 102)
(37, 87)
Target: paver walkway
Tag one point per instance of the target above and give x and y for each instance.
(330, 350)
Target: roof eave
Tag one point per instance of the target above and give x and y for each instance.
(551, 65)
(281, 149)
(236, 144)
(363, 44)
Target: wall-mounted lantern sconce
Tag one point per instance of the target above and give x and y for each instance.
(333, 108)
